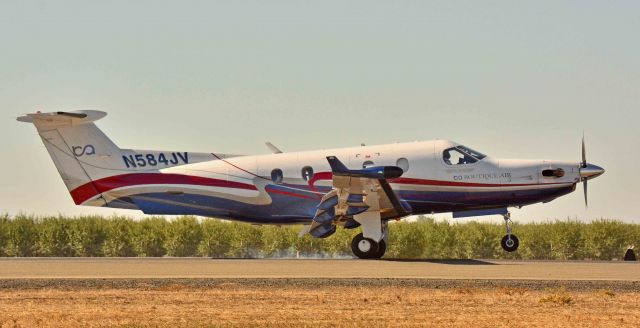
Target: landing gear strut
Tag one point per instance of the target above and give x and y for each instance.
(371, 243)
(509, 242)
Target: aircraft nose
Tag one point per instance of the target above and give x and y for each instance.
(590, 171)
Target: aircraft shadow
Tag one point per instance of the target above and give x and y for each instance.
(435, 261)
(445, 261)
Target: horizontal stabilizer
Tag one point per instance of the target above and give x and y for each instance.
(62, 118)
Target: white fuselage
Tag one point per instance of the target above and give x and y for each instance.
(429, 184)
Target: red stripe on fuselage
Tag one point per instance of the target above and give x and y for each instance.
(426, 182)
(275, 191)
(464, 184)
(88, 190)
(319, 176)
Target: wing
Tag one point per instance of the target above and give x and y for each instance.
(354, 193)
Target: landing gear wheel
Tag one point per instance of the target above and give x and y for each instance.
(510, 243)
(364, 248)
(382, 247)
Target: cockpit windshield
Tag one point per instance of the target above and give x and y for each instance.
(476, 154)
(459, 155)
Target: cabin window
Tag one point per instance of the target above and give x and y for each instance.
(367, 164)
(454, 156)
(307, 173)
(276, 176)
(403, 163)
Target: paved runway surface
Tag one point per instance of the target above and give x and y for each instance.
(12, 268)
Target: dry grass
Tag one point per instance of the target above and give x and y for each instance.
(231, 304)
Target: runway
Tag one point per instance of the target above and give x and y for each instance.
(153, 268)
(195, 292)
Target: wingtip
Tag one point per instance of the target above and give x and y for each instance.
(336, 164)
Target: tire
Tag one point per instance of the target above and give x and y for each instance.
(364, 248)
(510, 246)
(382, 247)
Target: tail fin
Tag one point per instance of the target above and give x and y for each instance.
(81, 152)
(93, 167)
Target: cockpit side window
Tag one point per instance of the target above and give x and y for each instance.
(455, 156)
(476, 154)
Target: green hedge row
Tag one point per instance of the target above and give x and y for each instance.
(189, 236)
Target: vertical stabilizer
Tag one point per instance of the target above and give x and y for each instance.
(81, 152)
(94, 169)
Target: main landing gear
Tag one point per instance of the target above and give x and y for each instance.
(509, 242)
(371, 243)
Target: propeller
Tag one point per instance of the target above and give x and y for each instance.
(584, 154)
(584, 186)
(587, 172)
(583, 165)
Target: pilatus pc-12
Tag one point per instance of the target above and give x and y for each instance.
(353, 187)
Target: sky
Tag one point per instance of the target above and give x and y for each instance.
(511, 79)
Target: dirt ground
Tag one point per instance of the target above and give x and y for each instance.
(317, 303)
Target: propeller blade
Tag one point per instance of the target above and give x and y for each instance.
(584, 154)
(584, 185)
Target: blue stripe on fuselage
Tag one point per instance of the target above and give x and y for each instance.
(424, 202)
(286, 209)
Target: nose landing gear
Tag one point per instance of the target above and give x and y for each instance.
(509, 242)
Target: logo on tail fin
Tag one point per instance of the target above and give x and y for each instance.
(83, 150)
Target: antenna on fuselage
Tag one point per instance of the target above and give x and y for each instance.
(273, 148)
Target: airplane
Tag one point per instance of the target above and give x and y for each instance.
(365, 186)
